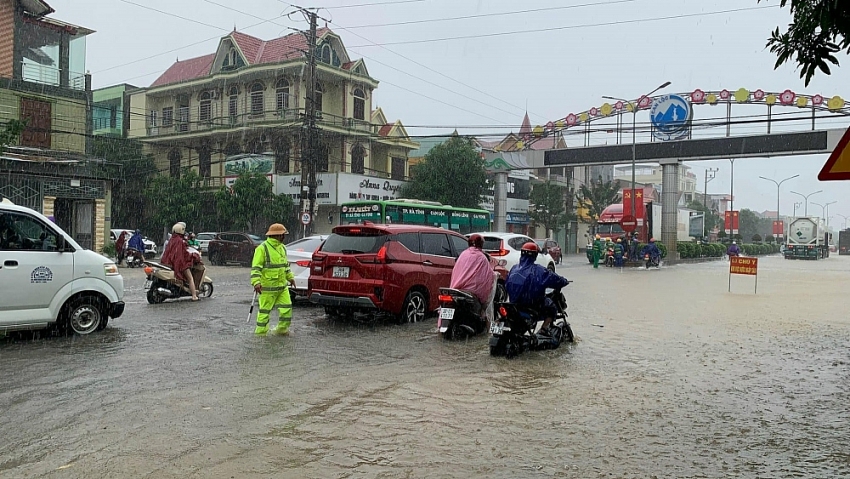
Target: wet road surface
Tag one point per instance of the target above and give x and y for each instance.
(679, 379)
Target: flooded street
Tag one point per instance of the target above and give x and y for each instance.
(671, 376)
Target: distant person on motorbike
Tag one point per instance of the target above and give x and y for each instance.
(194, 243)
(528, 281)
(618, 253)
(473, 273)
(179, 259)
(121, 247)
(733, 250)
(633, 247)
(652, 250)
(136, 242)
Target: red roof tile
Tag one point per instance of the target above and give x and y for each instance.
(186, 70)
(249, 45)
(525, 129)
(385, 130)
(347, 65)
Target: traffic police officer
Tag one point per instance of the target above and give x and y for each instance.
(270, 274)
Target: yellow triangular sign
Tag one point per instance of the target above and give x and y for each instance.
(837, 167)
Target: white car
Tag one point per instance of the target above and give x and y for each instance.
(150, 246)
(204, 241)
(300, 254)
(48, 280)
(506, 246)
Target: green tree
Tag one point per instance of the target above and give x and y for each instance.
(820, 29)
(549, 208)
(452, 173)
(131, 172)
(712, 219)
(597, 196)
(251, 205)
(9, 134)
(174, 199)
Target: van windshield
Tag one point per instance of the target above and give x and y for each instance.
(610, 228)
(354, 243)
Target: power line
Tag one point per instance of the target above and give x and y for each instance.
(495, 14)
(570, 27)
(174, 15)
(393, 2)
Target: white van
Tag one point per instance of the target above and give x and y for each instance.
(47, 279)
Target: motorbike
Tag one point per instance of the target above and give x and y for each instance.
(460, 314)
(518, 328)
(134, 258)
(161, 284)
(609, 258)
(651, 261)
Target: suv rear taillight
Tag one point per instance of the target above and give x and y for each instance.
(381, 257)
(304, 263)
(502, 251)
(317, 265)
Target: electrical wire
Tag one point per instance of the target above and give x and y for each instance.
(372, 4)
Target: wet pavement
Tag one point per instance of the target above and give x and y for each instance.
(671, 376)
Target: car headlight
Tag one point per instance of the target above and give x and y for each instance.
(110, 269)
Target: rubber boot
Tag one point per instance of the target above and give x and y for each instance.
(261, 330)
(282, 327)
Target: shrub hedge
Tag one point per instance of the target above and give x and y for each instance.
(717, 250)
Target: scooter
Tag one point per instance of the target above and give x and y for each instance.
(609, 258)
(161, 284)
(652, 261)
(518, 328)
(134, 258)
(460, 314)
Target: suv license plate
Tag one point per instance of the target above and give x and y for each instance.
(341, 271)
(447, 313)
(148, 284)
(497, 328)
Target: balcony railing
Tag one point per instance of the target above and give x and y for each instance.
(266, 118)
(52, 76)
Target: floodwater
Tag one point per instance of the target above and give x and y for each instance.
(671, 376)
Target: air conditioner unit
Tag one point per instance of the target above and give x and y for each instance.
(264, 138)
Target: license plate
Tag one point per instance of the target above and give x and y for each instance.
(497, 328)
(148, 284)
(447, 313)
(341, 271)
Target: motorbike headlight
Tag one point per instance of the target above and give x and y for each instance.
(110, 269)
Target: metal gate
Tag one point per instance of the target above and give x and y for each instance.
(22, 191)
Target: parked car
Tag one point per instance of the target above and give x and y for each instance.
(300, 254)
(150, 246)
(506, 246)
(204, 241)
(233, 247)
(48, 280)
(550, 246)
(385, 268)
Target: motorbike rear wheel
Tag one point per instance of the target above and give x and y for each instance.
(154, 297)
(206, 290)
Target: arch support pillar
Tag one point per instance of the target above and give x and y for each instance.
(670, 207)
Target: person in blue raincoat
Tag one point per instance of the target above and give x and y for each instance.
(652, 250)
(618, 253)
(527, 283)
(136, 242)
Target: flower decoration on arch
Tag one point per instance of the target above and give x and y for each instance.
(742, 95)
(550, 126)
(711, 99)
(582, 117)
(560, 124)
(787, 97)
(758, 95)
(572, 119)
(835, 103)
(698, 96)
(724, 94)
(770, 99)
(594, 111)
(606, 109)
(619, 106)
(817, 100)
(644, 102)
(802, 101)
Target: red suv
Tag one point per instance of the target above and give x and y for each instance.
(396, 269)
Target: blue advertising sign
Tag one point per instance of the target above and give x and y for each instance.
(671, 117)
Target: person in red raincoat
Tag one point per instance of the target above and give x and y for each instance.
(121, 246)
(178, 258)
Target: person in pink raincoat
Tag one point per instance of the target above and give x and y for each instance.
(473, 272)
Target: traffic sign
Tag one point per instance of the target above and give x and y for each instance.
(837, 167)
(629, 223)
(305, 218)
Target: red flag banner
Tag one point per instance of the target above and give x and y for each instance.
(639, 204)
(778, 228)
(727, 221)
(627, 202)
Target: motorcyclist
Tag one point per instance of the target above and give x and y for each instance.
(193, 243)
(472, 272)
(136, 242)
(734, 250)
(652, 250)
(633, 247)
(609, 249)
(618, 253)
(178, 258)
(121, 246)
(528, 281)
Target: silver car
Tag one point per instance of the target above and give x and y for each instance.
(300, 254)
(506, 246)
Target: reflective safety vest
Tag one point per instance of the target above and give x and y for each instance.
(270, 267)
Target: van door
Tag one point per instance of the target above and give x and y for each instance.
(32, 271)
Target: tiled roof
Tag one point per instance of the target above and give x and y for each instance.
(385, 130)
(525, 129)
(256, 52)
(186, 70)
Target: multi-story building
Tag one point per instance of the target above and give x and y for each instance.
(242, 108)
(651, 175)
(42, 82)
(111, 110)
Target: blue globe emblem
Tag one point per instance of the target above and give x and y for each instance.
(671, 117)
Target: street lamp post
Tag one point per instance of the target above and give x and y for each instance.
(634, 134)
(797, 204)
(825, 211)
(778, 184)
(845, 220)
(806, 197)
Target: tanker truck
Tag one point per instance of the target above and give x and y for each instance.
(806, 238)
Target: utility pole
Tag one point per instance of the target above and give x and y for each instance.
(309, 136)
(708, 171)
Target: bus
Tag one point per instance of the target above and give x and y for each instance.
(416, 212)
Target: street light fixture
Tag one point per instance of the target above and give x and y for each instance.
(778, 184)
(807, 199)
(845, 220)
(634, 133)
(825, 211)
(797, 204)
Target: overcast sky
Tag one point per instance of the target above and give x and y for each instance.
(620, 48)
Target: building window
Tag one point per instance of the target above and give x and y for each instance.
(205, 161)
(326, 54)
(257, 107)
(282, 95)
(38, 117)
(281, 156)
(183, 118)
(398, 169)
(358, 155)
(233, 102)
(205, 107)
(174, 158)
(153, 119)
(359, 104)
(168, 116)
(318, 97)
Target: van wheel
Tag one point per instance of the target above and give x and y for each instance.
(85, 315)
(414, 307)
